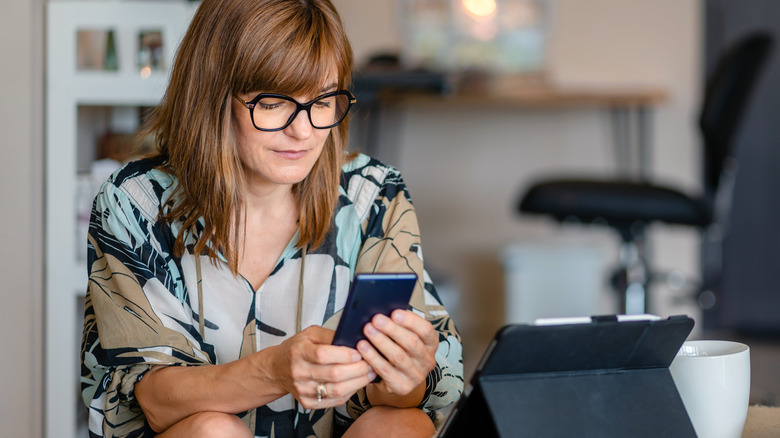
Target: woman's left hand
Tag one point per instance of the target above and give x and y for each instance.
(408, 343)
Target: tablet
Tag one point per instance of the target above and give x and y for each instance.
(601, 376)
(369, 295)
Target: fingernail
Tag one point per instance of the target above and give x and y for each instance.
(356, 357)
(362, 346)
(380, 320)
(371, 330)
(371, 376)
(399, 315)
(370, 369)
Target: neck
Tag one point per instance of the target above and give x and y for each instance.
(264, 201)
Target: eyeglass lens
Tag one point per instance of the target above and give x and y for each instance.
(276, 112)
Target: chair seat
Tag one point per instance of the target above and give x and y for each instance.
(616, 202)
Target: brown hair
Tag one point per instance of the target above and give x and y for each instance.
(234, 47)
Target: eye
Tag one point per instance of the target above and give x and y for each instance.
(267, 106)
(271, 104)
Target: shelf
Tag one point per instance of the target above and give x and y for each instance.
(99, 88)
(67, 88)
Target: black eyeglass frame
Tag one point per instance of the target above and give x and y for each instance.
(298, 108)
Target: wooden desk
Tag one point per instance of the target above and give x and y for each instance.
(762, 422)
(548, 96)
(630, 110)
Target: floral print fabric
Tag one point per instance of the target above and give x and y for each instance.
(142, 307)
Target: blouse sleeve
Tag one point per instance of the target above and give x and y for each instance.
(135, 313)
(392, 244)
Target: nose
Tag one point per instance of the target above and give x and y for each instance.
(300, 127)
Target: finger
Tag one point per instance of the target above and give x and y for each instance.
(319, 335)
(327, 354)
(339, 373)
(378, 363)
(345, 389)
(391, 348)
(391, 361)
(403, 337)
(403, 349)
(311, 399)
(417, 324)
(333, 394)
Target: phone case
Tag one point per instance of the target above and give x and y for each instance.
(369, 295)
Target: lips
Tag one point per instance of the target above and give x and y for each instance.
(291, 154)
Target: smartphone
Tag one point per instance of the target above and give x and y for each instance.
(369, 295)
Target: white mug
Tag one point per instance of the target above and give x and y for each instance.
(713, 379)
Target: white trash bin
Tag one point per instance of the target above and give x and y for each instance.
(552, 280)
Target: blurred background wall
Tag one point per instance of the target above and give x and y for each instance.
(467, 167)
(21, 220)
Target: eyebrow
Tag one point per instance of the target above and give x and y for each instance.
(329, 87)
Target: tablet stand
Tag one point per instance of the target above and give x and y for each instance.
(603, 379)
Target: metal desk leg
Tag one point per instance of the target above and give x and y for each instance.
(632, 138)
(644, 116)
(621, 140)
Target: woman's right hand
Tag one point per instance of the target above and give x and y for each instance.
(308, 359)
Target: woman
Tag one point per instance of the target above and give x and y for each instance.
(219, 267)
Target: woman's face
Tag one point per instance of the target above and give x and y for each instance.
(281, 157)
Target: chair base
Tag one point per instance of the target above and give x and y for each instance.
(631, 279)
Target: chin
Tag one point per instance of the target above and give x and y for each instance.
(292, 177)
(284, 173)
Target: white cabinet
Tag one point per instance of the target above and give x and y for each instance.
(69, 88)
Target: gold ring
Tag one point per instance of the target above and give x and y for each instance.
(321, 392)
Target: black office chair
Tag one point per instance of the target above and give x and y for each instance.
(629, 206)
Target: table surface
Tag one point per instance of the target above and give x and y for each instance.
(517, 90)
(545, 97)
(762, 422)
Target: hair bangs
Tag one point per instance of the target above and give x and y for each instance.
(304, 54)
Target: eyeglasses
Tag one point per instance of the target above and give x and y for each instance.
(274, 112)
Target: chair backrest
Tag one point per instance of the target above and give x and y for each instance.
(725, 102)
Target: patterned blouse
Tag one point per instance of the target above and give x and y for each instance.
(142, 305)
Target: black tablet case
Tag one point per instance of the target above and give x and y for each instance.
(603, 379)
